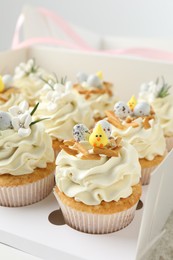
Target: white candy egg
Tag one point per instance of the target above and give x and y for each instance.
(106, 127)
(142, 109)
(7, 79)
(121, 110)
(94, 81)
(80, 132)
(5, 121)
(81, 77)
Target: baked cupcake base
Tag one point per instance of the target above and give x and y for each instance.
(169, 143)
(23, 190)
(105, 218)
(147, 167)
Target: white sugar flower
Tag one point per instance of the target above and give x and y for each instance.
(20, 109)
(45, 88)
(59, 88)
(53, 97)
(55, 92)
(68, 86)
(22, 123)
(149, 91)
(19, 73)
(24, 69)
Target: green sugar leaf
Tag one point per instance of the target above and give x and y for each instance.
(39, 120)
(34, 109)
(164, 91)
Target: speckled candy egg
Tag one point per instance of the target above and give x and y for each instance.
(5, 121)
(106, 127)
(121, 110)
(94, 81)
(142, 109)
(80, 132)
(81, 77)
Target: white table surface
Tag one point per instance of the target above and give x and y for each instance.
(9, 253)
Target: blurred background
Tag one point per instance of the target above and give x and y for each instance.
(149, 18)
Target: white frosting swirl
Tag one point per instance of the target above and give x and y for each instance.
(148, 142)
(21, 155)
(29, 87)
(163, 107)
(14, 99)
(164, 110)
(64, 114)
(98, 103)
(94, 181)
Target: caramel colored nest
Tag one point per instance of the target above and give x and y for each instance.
(74, 148)
(88, 93)
(8, 180)
(114, 120)
(56, 145)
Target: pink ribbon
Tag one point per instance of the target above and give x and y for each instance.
(79, 43)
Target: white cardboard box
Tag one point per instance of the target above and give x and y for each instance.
(28, 228)
(7, 253)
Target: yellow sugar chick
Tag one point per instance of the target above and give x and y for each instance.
(132, 103)
(98, 138)
(100, 75)
(2, 86)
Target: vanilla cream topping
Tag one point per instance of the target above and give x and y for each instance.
(62, 115)
(148, 142)
(164, 110)
(94, 181)
(29, 87)
(163, 107)
(21, 155)
(14, 99)
(98, 103)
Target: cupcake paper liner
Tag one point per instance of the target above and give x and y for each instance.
(96, 223)
(27, 194)
(146, 174)
(169, 143)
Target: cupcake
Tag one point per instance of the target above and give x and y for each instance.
(27, 78)
(9, 95)
(97, 182)
(138, 125)
(26, 158)
(158, 95)
(97, 93)
(58, 104)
